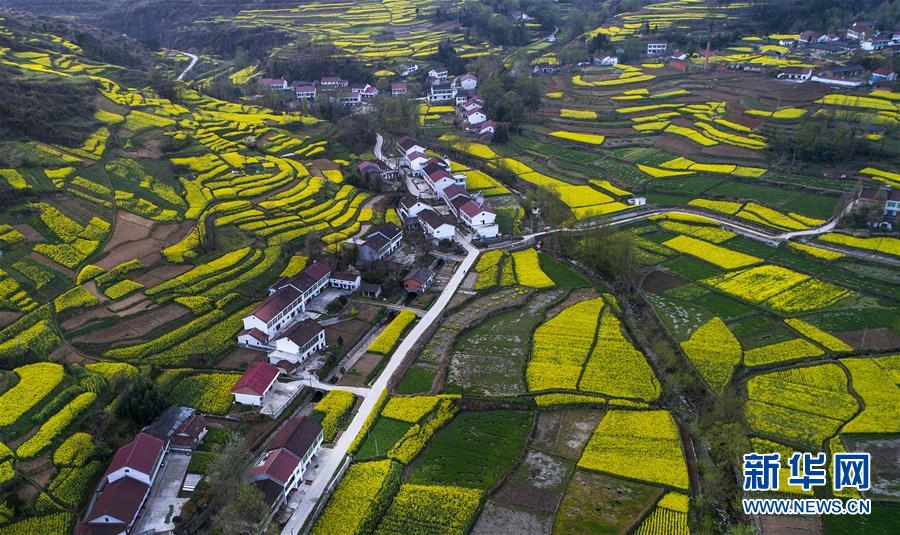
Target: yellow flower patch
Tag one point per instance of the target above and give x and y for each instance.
(714, 254)
(885, 245)
(561, 346)
(528, 270)
(590, 139)
(577, 114)
(816, 252)
(831, 343)
(714, 351)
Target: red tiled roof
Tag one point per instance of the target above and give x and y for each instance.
(317, 270)
(256, 379)
(140, 454)
(275, 303)
(303, 331)
(120, 499)
(255, 333)
(454, 191)
(431, 218)
(459, 202)
(407, 143)
(297, 435)
(398, 85)
(472, 209)
(439, 175)
(408, 201)
(277, 465)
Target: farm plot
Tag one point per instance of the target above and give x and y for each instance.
(800, 405)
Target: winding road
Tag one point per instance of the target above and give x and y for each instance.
(330, 459)
(194, 60)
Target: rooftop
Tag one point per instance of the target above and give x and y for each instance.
(256, 379)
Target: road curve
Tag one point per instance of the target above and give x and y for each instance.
(194, 60)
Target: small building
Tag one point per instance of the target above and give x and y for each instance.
(408, 145)
(886, 194)
(345, 281)
(876, 42)
(882, 75)
(859, 30)
(441, 92)
(299, 342)
(808, 36)
(333, 82)
(637, 201)
(409, 207)
(287, 299)
(273, 84)
(255, 384)
(439, 179)
(365, 91)
(280, 468)
(370, 290)
(657, 48)
(795, 74)
(305, 91)
(407, 69)
(438, 71)
(418, 280)
(382, 241)
(124, 487)
(466, 81)
(399, 89)
(435, 226)
(183, 428)
(487, 129)
(475, 117)
(606, 60)
(349, 98)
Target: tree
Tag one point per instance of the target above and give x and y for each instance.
(141, 402)
(225, 474)
(245, 513)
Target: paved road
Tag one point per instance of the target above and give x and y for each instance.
(379, 142)
(331, 458)
(194, 60)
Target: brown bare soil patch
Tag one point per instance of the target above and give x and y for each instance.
(129, 227)
(147, 251)
(128, 302)
(357, 375)
(150, 149)
(29, 233)
(161, 274)
(566, 432)
(240, 358)
(58, 267)
(577, 296)
(730, 151)
(497, 518)
(660, 281)
(85, 317)
(6, 318)
(134, 327)
(806, 524)
(880, 338)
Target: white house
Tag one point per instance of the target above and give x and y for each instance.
(416, 162)
(859, 30)
(795, 74)
(408, 68)
(875, 43)
(255, 384)
(409, 207)
(408, 145)
(473, 104)
(441, 92)
(637, 201)
(299, 342)
(608, 61)
(438, 180)
(333, 81)
(487, 128)
(475, 117)
(435, 226)
(273, 84)
(467, 82)
(398, 89)
(345, 281)
(279, 470)
(288, 298)
(438, 71)
(479, 218)
(366, 92)
(382, 241)
(305, 92)
(656, 48)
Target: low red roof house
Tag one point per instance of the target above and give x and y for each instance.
(255, 384)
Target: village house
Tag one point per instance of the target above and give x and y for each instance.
(182, 428)
(480, 218)
(795, 74)
(399, 89)
(409, 207)
(255, 384)
(279, 469)
(418, 280)
(466, 82)
(287, 299)
(345, 281)
(886, 194)
(882, 75)
(435, 227)
(273, 84)
(841, 76)
(487, 129)
(299, 342)
(438, 72)
(605, 60)
(441, 92)
(124, 487)
(657, 48)
(382, 241)
(475, 117)
(365, 91)
(332, 82)
(349, 98)
(305, 91)
(808, 36)
(876, 42)
(407, 69)
(408, 145)
(858, 31)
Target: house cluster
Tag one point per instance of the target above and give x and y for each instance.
(279, 323)
(886, 199)
(335, 87)
(474, 119)
(470, 210)
(125, 486)
(279, 470)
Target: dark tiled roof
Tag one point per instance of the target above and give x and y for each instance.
(271, 490)
(297, 435)
(459, 202)
(420, 275)
(406, 143)
(275, 303)
(277, 465)
(408, 201)
(303, 331)
(388, 230)
(472, 209)
(454, 191)
(376, 242)
(431, 218)
(344, 276)
(120, 499)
